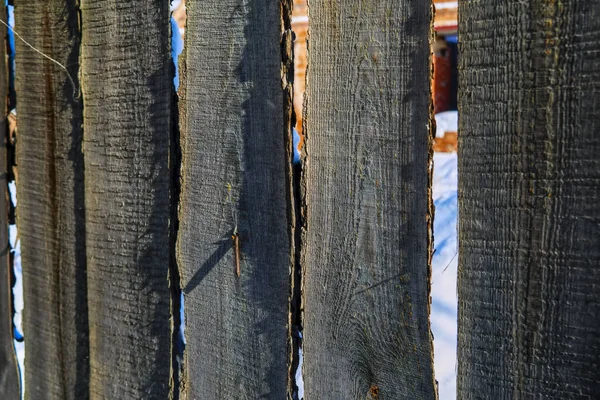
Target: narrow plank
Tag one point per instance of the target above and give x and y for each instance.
(529, 311)
(50, 215)
(234, 174)
(9, 373)
(127, 88)
(366, 254)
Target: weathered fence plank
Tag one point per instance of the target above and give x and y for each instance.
(9, 373)
(234, 182)
(127, 88)
(529, 188)
(367, 248)
(50, 194)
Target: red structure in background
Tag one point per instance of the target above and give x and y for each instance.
(445, 23)
(442, 75)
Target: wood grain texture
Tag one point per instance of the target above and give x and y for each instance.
(50, 215)
(9, 373)
(529, 188)
(234, 174)
(366, 249)
(127, 87)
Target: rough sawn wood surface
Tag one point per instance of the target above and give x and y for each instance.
(367, 242)
(127, 85)
(50, 212)
(529, 189)
(233, 175)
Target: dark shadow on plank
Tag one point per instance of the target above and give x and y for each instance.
(213, 260)
(263, 223)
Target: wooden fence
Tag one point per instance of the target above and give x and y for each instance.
(133, 197)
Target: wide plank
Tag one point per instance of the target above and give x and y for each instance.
(529, 188)
(234, 184)
(367, 248)
(127, 91)
(51, 211)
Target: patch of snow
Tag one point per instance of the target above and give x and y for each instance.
(296, 143)
(18, 288)
(444, 272)
(182, 319)
(298, 376)
(19, 340)
(446, 121)
(12, 187)
(175, 5)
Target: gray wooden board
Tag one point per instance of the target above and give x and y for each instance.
(50, 209)
(233, 174)
(366, 249)
(127, 86)
(9, 373)
(529, 188)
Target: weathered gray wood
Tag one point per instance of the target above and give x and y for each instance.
(529, 189)
(9, 373)
(367, 246)
(127, 86)
(51, 210)
(233, 174)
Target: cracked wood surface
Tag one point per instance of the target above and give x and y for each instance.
(366, 248)
(127, 87)
(51, 211)
(9, 373)
(234, 176)
(529, 277)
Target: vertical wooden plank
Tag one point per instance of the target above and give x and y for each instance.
(529, 188)
(233, 176)
(9, 373)
(367, 247)
(127, 87)
(50, 192)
